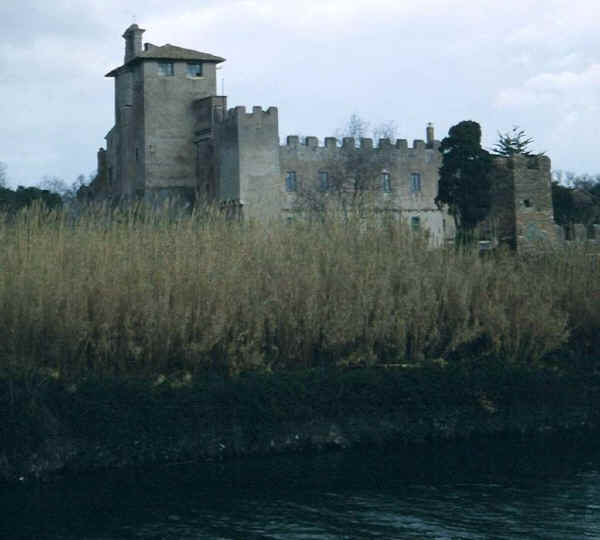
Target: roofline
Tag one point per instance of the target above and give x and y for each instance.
(116, 71)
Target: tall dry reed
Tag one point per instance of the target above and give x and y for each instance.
(141, 292)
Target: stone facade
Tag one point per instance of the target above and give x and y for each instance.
(522, 214)
(173, 135)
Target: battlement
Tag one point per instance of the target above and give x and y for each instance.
(364, 143)
(538, 163)
(240, 112)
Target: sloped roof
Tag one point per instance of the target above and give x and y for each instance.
(168, 52)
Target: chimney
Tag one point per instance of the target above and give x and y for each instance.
(429, 135)
(133, 42)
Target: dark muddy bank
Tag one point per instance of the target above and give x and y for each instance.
(51, 427)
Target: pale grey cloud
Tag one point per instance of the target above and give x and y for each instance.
(500, 63)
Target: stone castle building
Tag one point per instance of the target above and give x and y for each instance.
(173, 135)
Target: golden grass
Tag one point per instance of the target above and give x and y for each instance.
(140, 292)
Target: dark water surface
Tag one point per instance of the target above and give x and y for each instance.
(504, 489)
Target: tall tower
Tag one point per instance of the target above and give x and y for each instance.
(151, 147)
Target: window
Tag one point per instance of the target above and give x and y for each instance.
(386, 182)
(194, 69)
(415, 223)
(166, 68)
(323, 180)
(415, 182)
(290, 181)
(527, 203)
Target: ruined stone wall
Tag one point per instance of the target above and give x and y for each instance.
(534, 215)
(521, 214)
(500, 223)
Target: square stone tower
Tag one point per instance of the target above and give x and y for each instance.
(150, 148)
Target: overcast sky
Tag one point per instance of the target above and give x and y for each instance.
(501, 63)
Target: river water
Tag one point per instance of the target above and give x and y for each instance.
(501, 489)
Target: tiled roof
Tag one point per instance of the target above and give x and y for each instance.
(169, 52)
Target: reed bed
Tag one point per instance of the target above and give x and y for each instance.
(139, 292)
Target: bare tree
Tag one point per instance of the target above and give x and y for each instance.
(354, 172)
(68, 193)
(3, 176)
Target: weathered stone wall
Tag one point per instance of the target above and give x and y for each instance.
(209, 113)
(534, 215)
(500, 224)
(170, 155)
(261, 191)
(124, 165)
(521, 214)
(228, 161)
(247, 155)
(400, 161)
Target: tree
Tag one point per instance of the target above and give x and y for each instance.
(58, 186)
(576, 198)
(352, 174)
(464, 183)
(513, 142)
(3, 177)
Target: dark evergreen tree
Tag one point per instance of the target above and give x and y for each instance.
(464, 183)
(513, 142)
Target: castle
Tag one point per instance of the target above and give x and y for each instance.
(173, 135)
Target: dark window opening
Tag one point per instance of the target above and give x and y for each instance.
(415, 182)
(527, 203)
(323, 180)
(194, 69)
(166, 68)
(415, 223)
(386, 182)
(290, 181)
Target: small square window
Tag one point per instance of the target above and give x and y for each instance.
(386, 182)
(415, 223)
(323, 180)
(290, 181)
(166, 68)
(194, 69)
(415, 182)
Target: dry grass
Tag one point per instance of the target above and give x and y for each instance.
(140, 293)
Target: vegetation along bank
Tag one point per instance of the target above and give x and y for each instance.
(138, 337)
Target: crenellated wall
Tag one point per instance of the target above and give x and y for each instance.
(173, 135)
(247, 145)
(307, 158)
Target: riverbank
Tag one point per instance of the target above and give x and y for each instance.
(51, 427)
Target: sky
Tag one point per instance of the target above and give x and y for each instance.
(500, 63)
